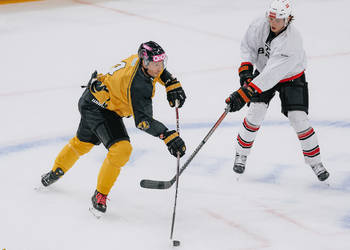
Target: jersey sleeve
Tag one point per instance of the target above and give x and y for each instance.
(159, 79)
(277, 67)
(143, 111)
(163, 77)
(248, 51)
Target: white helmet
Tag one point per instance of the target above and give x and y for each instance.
(279, 9)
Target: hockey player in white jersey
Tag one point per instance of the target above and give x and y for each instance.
(273, 47)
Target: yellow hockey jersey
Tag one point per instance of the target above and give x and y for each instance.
(128, 91)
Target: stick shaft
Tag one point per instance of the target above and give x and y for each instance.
(177, 172)
(156, 184)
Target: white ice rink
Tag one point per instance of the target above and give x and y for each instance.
(49, 48)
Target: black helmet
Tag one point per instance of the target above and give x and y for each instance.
(151, 52)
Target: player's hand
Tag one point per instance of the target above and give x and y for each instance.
(175, 92)
(239, 98)
(174, 142)
(245, 72)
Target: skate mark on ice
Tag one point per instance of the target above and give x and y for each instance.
(345, 221)
(41, 188)
(274, 175)
(153, 19)
(208, 164)
(344, 186)
(263, 243)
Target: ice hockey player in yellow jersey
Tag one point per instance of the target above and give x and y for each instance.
(124, 92)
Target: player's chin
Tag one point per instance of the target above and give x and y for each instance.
(155, 74)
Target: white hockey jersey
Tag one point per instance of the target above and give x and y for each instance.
(282, 59)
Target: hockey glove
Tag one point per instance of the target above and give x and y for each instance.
(239, 98)
(92, 78)
(245, 72)
(174, 90)
(174, 142)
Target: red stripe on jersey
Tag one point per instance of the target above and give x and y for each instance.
(293, 77)
(313, 152)
(306, 134)
(251, 84)
(250, 127)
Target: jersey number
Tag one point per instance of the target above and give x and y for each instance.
(117, 67)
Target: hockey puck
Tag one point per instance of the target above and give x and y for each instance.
(176, 243)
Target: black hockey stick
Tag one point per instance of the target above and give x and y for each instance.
(152, 184)
(177, 172)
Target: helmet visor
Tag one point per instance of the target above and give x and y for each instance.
(158, 59)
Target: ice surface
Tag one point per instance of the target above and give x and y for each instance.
(49, 48)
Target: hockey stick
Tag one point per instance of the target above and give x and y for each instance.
(152, 184)
(177, 171)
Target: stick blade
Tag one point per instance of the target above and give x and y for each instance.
(151, 184)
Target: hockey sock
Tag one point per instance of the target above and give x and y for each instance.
(250, 127)
(307, 137)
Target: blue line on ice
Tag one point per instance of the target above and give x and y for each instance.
(345, 221)
(345, 185)
(8, 149)
(5, 150)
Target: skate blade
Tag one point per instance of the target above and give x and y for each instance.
(239, 177)
(326, 184)
(96, 213)
(40, 188)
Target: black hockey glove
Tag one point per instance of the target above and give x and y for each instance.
(174, 142)
(239, 98)
(174, 91)
(94, 84)
(92, 78)
(245, 73)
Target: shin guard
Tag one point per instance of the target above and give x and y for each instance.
(71, 153)
(118, 155)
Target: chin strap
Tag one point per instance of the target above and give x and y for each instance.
(145, 70)
(287, 21)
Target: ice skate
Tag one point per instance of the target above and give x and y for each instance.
(320, 171)
(51, 177)
(239, 165)
(99, 203)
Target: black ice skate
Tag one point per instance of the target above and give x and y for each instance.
(51, 177)
(239, 164)
(99, 201)
(320, 171)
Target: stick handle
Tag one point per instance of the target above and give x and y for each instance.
(177, 170)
